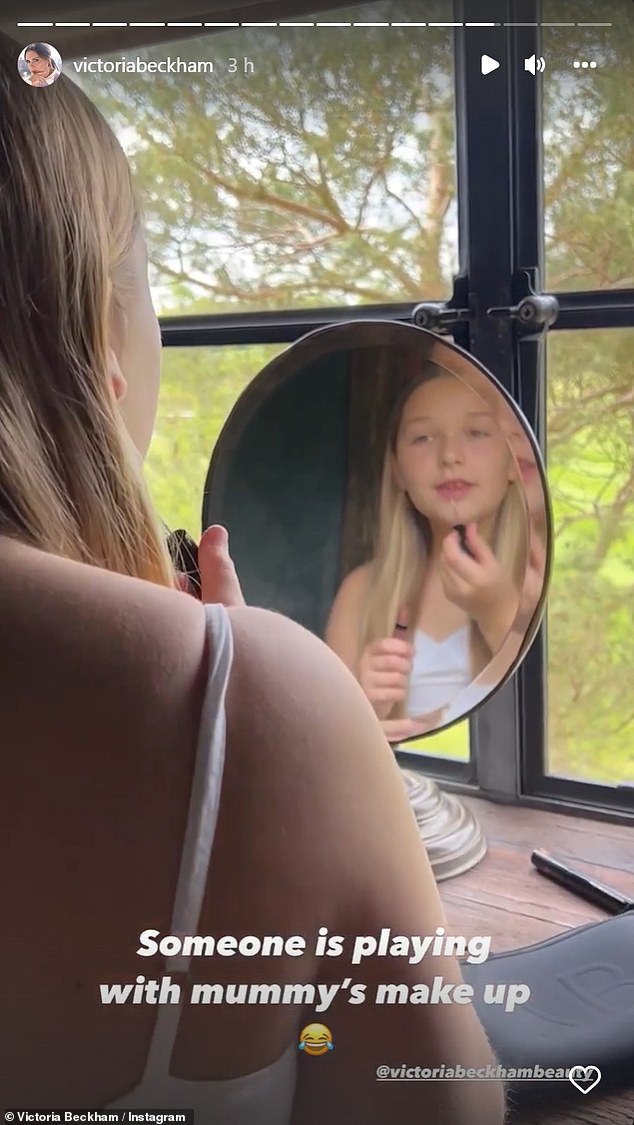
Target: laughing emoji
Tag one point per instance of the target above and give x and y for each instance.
(315, 1039)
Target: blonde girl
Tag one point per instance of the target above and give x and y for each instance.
(420, 621)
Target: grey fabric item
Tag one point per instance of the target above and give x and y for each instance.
(580, 1011)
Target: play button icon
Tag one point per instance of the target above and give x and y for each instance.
(487, 64)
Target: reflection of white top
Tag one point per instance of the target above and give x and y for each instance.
(441, 670)
(264, 1097)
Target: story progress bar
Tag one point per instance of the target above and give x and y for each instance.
(314, 24)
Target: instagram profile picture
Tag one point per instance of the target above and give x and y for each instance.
(39, 64)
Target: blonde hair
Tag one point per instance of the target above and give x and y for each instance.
(69, 217)
(403, 542)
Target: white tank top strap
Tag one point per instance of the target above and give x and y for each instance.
(201, 828)
(264, 1097)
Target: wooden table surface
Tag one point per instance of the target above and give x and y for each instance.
(506, 898)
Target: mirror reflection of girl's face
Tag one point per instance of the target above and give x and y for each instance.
(451, 456)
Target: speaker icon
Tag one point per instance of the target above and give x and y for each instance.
(534, 64)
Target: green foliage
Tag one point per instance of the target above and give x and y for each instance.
(451, 743)
(328, 176)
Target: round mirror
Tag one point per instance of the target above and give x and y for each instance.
(382, 488)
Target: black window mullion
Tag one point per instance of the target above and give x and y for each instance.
(493, 246)
(600, 309)
(529, 226)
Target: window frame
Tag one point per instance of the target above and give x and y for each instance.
(500, 234)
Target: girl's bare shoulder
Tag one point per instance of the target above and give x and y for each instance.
(357, 580)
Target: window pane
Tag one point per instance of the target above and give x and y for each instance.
(590, 628)
(325, 175)
(452, 743)
(589, 145)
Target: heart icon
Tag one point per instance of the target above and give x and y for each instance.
(584, 1078)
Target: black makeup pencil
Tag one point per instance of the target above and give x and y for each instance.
(582, 885)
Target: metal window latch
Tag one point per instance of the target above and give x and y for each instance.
(439, 316)
(534, 312)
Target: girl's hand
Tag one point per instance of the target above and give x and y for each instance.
(533, 581)
(218, 579)
(384, 672)
(479, 585)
